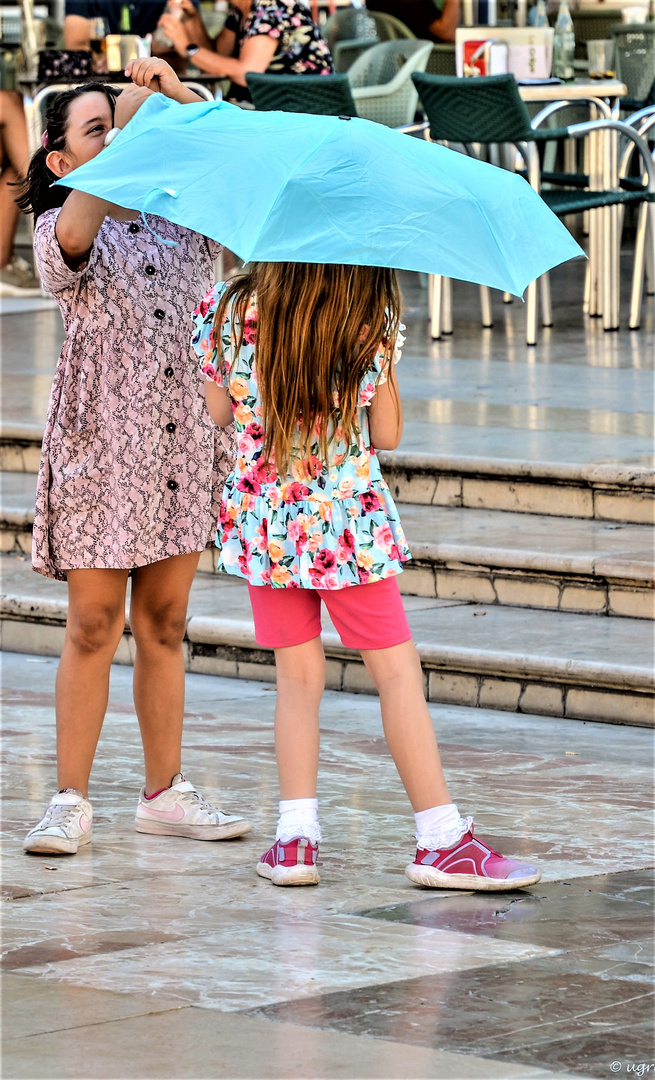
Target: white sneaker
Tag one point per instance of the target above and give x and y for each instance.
(17, 280)
(181, 811)
(65, 826)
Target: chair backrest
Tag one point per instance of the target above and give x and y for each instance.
(394, 101)
(635, 59)
(488, 109)
(389, 28)
(442, 60)
(346, 52)
(381, 63)
(328, 95)
(594, 24)
(348, 24)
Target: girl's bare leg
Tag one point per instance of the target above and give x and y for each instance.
(14, 157)
(300, 685)
(9, 215)
(407, 723)
(158, 611)
(96, 620)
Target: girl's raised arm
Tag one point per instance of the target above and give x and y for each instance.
(82, 215)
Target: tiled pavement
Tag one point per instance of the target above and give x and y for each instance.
(156, 957)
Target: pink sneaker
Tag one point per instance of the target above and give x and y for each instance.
(471, 864)
(290, 862)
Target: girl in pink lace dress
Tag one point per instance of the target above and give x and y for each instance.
(131, 464)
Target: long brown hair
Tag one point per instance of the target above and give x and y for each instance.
(318, 330)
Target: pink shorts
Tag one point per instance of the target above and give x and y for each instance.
(365, 616)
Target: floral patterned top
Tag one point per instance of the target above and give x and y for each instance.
(301, 48)
(336, 529)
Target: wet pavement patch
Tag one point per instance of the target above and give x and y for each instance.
(579, 1009)
(56, 950)
(580, 913)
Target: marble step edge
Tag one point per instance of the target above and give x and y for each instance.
(614, 474)
(451, 683)
(444, 555)
(20, 446)
(615, 589)
(214, 630)
(603, 492)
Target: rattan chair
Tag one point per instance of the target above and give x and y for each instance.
(442, 60)
(389, 28)
(381, 81)
(349, 24)
(490, 110)
(329, 95)
(353, 30)
(346, 52)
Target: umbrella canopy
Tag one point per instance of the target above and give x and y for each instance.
(291, 187)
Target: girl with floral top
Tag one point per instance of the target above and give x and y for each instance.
(301, 357)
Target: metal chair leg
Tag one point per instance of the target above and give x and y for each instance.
(610, 253)
(644, 248)
(587, 287)
(485, 304)
(446, 306)
(531, 314)
(546, 306)
(650, 255)
(435, 317)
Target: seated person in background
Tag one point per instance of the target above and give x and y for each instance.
(16, 277)
(144, 17)
(428, 19)
(275, 36)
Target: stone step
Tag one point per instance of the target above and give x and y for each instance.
(608, 492)
(550, 663)
(486, 556)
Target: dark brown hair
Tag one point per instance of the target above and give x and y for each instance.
(36, 193)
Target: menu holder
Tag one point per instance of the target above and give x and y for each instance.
(525, 52)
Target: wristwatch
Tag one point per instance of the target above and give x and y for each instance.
(191, 51)
(111, 135)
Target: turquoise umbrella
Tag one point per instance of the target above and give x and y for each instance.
(292, 187)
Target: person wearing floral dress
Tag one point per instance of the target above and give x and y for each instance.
(302, 358)
(275, 36)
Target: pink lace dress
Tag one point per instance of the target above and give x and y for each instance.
(132, 466)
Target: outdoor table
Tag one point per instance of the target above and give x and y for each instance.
(604, 96)
(35, 93)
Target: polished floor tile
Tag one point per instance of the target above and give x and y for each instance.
(150, 955)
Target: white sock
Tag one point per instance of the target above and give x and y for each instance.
(440, 827)
(298, 817)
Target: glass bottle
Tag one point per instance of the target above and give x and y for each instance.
(539, 14)
(564, 43)
(125, 25)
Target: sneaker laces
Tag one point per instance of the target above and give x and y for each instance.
(59, 814)
(198, 802)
